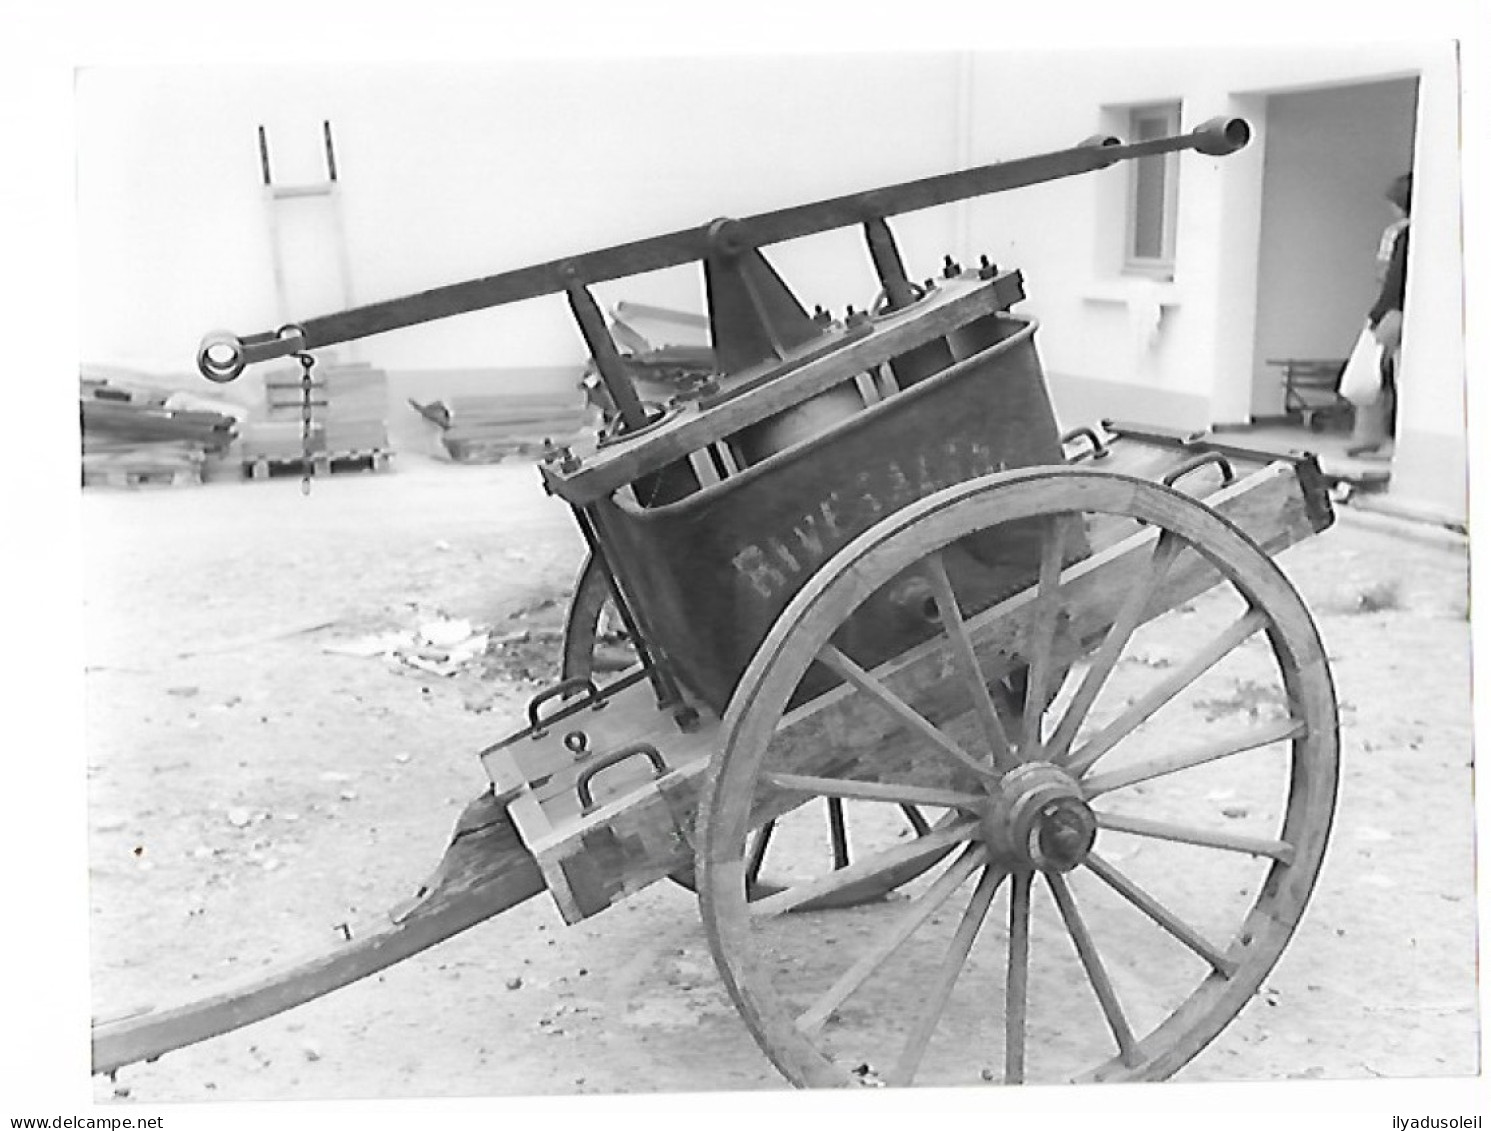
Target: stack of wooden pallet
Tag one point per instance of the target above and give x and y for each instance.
(134, 436)
(489, 428)
(348, 428)
(171, 463)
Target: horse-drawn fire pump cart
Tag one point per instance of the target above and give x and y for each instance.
(886, 623)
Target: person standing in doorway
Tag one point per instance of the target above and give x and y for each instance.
(1376, 423)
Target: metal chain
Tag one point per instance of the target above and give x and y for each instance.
(307, 363)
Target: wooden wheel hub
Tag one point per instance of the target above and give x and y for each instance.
(1037, 818)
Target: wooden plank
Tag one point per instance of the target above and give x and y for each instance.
(880, 791)
(593, 861)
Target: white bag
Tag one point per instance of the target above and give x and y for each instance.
(1361, 380)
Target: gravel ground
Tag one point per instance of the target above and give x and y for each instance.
(249, 789)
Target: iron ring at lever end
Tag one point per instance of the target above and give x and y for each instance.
(220, 357)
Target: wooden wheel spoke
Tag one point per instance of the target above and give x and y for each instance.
(862, 869)
(894, 792)
(1128, 1047)
(1162, 916)
(1265, 735)
(1038, 687)
(1167, 689)
(916, 820)
(756, 854)
(838, 835)
(952, 965)
(1130, 616)
(862, 680)
(966, 659)
(816, 1015)
(1017, 982)
(1279, 850)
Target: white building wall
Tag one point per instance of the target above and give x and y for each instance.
(1100, 341)
(1429, 468)
(466, 171)
(1064, 238)
(456, 172)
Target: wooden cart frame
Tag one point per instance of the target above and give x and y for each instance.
(865, 582)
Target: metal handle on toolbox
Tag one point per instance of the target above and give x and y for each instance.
(645, 749)
(563, 689)
(1099, 449)
(1195, 464)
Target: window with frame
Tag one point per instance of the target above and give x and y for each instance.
(1149, 238)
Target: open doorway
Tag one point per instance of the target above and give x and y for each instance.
(1331, 154)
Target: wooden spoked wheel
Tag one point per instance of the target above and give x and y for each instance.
(1132, 850)
(827, 838)
(593, 634)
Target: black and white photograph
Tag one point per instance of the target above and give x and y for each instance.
(674, 572)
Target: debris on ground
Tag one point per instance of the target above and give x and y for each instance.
(442, 647)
